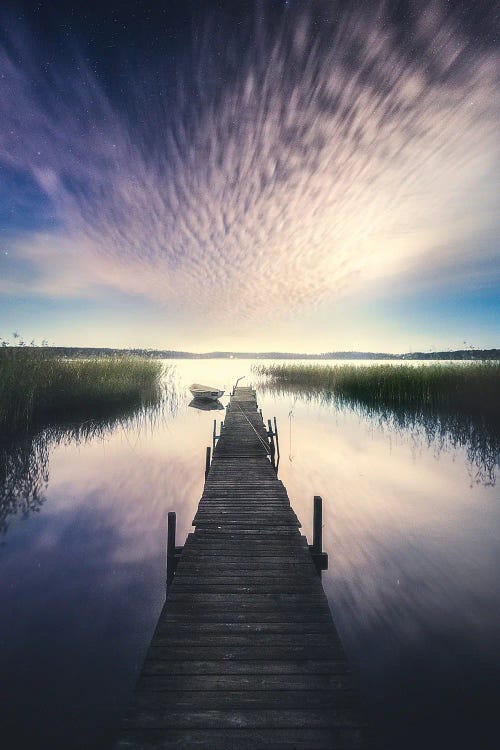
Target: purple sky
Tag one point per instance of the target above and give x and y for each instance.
(308, 176)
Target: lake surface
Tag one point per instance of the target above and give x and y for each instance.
(412, 528)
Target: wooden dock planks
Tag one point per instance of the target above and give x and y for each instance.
(245, 653)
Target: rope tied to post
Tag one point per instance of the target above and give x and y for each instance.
(261, 440)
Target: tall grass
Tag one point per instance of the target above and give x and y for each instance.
(448, 405)
(70, 402)
(474, 386)
(38, 389)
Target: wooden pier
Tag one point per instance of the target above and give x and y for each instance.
(245, 653)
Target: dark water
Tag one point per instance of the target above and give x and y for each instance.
(412, 528)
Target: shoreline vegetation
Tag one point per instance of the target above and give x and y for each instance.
(39, 388)
(466, 387)
(457, 405)
(46, 400)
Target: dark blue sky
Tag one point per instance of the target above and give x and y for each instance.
(250, 175)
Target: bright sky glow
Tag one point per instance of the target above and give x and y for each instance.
(311, 182)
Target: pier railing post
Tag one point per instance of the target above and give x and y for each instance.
(207, 462)
(171, 551)
(277, 439)
(318, 525)
(236, 384)
(271, 442)
(319, 557)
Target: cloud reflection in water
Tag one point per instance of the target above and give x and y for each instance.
(412, 547)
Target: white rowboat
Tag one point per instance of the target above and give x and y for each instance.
(205, 392)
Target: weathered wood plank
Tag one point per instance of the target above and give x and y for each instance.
(344, 738)
(253, 568)
(173, 638)
(241, 577)
(248, 590)
(221, 615)
(323, 666)
(245, 653)
(159, 716)
(218, 628)
(159, 701)
(257, 599)
(240, 682)
(246, 556)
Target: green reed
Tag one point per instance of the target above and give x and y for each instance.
(474, 386)
(446, 405)
(24, 455)
(38, 389)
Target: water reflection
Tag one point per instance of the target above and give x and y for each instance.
(441, 429)
(197, 403)
(412, 544)
(24, 460)
(24, 475)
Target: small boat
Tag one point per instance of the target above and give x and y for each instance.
(205, 392)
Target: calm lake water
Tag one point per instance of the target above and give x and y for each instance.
(412, 528)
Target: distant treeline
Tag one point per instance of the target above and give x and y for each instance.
(77, 351)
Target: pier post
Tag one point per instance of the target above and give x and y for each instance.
(318, 525)
(271, 439)
(207, 462)
(214, 438)
(171, 551)
(319, 557)
(277, 439)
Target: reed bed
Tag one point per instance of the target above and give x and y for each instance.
(466, 387)
(39, 389)
(447, 405)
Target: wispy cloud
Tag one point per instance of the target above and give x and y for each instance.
(283, 165)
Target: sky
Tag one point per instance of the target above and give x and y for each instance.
(310, 175)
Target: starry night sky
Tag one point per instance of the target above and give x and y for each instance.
(305, 176)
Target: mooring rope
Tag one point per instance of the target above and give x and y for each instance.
(266, 445)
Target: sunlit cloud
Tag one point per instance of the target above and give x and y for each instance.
(282, 166)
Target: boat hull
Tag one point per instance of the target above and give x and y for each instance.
(205, 393)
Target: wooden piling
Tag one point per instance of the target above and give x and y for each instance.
(271, 442)
(318, 525)
(207, 461)
(319, 557)
(171, 550)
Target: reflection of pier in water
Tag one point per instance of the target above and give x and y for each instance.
(245, 653)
